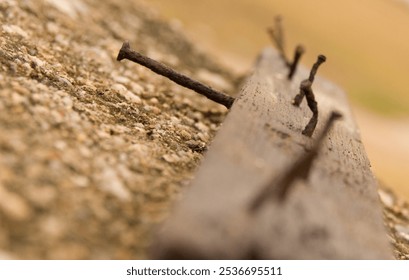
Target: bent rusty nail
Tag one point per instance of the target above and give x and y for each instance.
(320, 60)
(312, 104)
(306, 90)
(304, 84)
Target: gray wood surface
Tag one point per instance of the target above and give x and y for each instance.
(335, 214)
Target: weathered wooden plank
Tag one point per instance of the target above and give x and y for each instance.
(335, 214)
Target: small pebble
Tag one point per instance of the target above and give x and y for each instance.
(121, 89)
(15, 30)
(36, 61)
(80, 181)
(121, 79)
(185, 135)
(154, 100)
(52, 27)
(136, 88)
(171, 158)
(202, 127)
(110, 182)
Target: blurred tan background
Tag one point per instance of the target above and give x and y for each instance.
(366, 43)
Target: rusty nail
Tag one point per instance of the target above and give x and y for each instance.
(161, 69)
(277, 37)
(306, 90)
(299, 97)
(299, 50)
(312, 104)
(321, 59)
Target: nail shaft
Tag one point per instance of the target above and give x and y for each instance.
(277, 35)
(161, 69)
(306, 90)
(279, 188)
(312, 104)
(299, 97)
(297, 56)
(321, 59)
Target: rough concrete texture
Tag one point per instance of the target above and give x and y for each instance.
(93, 151)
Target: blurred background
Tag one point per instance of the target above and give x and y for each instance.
(366, 43)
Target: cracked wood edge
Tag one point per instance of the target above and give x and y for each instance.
(335, 214)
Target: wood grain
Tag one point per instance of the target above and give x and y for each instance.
(335, 214)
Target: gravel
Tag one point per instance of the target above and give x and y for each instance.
(396, 213)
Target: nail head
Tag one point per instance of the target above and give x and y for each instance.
(322, 58)
(300, 49)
